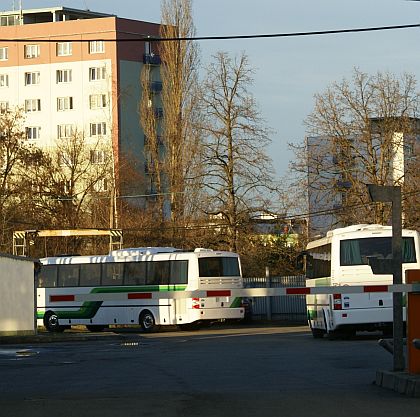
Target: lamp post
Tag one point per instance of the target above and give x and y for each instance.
(392, 194)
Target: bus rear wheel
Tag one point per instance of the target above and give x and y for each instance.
(51, 323)
(147, 321)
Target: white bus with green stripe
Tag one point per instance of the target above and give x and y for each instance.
(124, 288)
(345, 257)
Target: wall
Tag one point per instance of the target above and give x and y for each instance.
(17, 296)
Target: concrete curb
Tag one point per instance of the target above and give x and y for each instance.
(60, 337)
(401, 382)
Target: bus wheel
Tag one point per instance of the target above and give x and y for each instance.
(51, 322)
(95, 327)
(147, 321)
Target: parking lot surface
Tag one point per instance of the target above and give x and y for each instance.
(254, 370)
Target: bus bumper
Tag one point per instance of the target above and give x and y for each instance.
(217, 314)
(363, 319)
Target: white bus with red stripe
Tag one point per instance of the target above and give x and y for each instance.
(345, 258)
(145, 286)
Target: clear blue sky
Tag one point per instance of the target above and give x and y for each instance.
(289, 71)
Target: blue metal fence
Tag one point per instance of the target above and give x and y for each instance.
(285, 308)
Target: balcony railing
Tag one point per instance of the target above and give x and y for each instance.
(151, 59)
(156, 86)
(158, 112)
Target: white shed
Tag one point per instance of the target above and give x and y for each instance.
(17, 295)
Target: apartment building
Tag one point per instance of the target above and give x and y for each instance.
(71, 70)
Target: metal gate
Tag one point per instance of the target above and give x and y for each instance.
(285, 308)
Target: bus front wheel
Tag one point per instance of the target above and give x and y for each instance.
(147, 321)
(51, 322)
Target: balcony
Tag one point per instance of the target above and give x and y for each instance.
(156, 86)
(158, 112)
(151, 59)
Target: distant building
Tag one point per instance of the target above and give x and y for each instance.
(69, 73)
(271, 229)
(327, 184)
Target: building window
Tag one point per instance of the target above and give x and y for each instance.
(32, 51)
(96, 47)
(63, 76)
(97, 73)
(4, 80)
(4, 53)
(64, 103)
(64, 48)
(33, 105)
(13, 20)
(97, 157)
(33, 132)
(101, 185)
(98, 129)
(32, 78)
(65, 131)
(4, 107)
(97, 101)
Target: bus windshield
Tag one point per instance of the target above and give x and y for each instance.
(218, 267)
(359, 251)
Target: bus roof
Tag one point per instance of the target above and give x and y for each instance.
(136, 254)
(356, 230)
(149, 250)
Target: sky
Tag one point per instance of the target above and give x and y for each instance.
(289, 71)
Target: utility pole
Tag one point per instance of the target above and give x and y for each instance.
(392, 194)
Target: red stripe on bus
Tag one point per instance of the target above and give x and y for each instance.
(219, 293)
(139, 296)
(375, 288)
(298, 290)
(55, 298)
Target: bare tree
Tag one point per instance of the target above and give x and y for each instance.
(153, 151)
(360, 133)
(172, 144)
(70, 181)
(13, 154)
(238, 172)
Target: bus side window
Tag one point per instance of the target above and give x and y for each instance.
(68, 275)
(112, 274)
(135, 273)
(179, 272)
(48, 276)
(158, 273)
(90, 275)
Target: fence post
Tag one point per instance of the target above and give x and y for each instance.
(268, 299)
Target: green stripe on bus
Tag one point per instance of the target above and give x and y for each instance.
(86, 311)
(312, 314)
(89, 309)
(237, 302)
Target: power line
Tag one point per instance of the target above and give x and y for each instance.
(226, 37)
